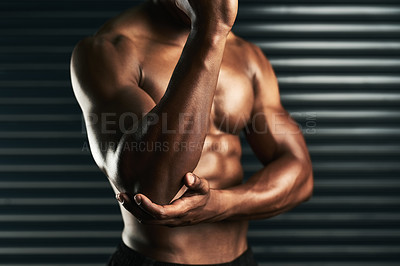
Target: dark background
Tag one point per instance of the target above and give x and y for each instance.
(338, 60)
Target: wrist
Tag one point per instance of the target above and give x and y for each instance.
(208, 38)
(222, 203)
(211, 29)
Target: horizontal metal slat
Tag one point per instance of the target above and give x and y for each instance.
(337, 149)
(37, 101)
(54, 184)
(339, 79)
(357, 184)
(355, 131)
(327, 249)
(317, 233)
(47, 32)
(42, 135)
(55, 250)
(321, 30)
(60, 201)
(339, 167)
(322, 10)
(44, 151)
(358, 115)
(40, 117)
(58, 14)
(36, 83)
(336, 62)
(365, 47)
(34, 66)
(59, 218)
(341, 97)
(262, 28)
(49, 168)
(59, 234)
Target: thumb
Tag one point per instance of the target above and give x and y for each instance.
(195, 183)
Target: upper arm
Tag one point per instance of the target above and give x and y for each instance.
(272, 131)
(106, 81)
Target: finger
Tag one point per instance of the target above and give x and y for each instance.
(125, 200)
(195, 183)
(147, 206)
(176, 209)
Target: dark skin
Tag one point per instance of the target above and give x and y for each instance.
(192, 86)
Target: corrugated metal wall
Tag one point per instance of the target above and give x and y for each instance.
(338, 64)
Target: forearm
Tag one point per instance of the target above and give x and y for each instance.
(278, 187)
(181, 117)
(186, 105)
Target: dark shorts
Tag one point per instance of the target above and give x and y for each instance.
(124, 256)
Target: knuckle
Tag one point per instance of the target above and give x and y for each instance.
(204, 184)
(161, 214)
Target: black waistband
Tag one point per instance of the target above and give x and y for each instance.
(124, 256)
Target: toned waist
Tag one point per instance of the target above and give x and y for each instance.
(211, 243)
(125, 255)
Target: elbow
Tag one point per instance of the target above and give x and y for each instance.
(146, 173)
(304, 180)
(123, 166)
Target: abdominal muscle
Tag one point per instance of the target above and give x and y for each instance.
(207, 243)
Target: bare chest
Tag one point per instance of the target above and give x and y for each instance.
(233, 98)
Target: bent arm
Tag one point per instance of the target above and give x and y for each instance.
(182, 116)
(104, 81)
(286, 179)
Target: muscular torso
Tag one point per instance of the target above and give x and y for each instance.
(220, 160)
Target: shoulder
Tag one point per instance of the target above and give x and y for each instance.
(102, 48)
(110, 37)
(251, 56)
(101, 64)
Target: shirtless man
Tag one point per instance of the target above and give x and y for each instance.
(165, 89)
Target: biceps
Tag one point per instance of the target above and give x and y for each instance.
(282, 127)
(272, 133)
